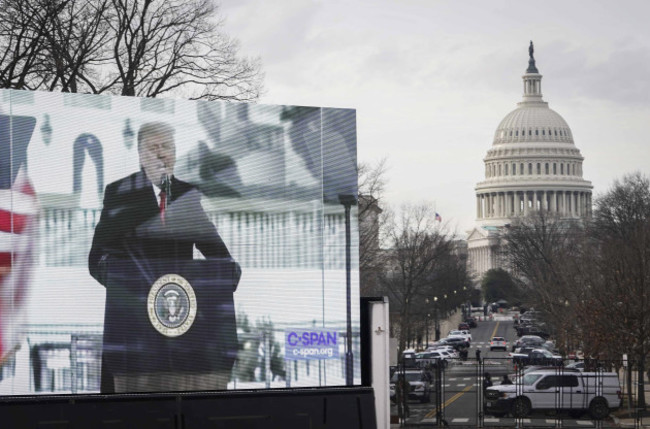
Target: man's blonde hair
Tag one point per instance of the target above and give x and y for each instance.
(154, 129)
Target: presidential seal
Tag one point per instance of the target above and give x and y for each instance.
(171, 305)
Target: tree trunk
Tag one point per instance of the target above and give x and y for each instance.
(628, 373)
(641, 384)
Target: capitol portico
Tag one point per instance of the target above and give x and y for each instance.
(533, 165)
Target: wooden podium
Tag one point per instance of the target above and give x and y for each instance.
(169, 316)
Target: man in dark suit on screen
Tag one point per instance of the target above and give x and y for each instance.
(148, 217)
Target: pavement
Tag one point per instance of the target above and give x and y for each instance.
(631, 418)
(625, 418)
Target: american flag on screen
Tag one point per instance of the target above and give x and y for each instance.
(18, 216)
(18, 230)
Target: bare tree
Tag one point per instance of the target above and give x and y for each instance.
(372, 215)
(146, 48)
(21, 45)
(76, 34)
(536, 247)
(164, 45)
(544, 252)
(593, 283)
(421, 264)
(621, 291)
(372, 179)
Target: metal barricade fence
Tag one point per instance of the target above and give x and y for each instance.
(568, 397)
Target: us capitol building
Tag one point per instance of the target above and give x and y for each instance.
(533, 164)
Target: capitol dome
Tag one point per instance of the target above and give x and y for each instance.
(533, 163)
(533, 123)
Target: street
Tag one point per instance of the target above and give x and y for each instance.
(461, 399)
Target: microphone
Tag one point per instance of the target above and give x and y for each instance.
(166, 185)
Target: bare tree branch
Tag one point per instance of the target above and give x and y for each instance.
(147, 48)
(421, 264)
(372, 219)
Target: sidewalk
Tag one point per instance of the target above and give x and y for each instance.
(631, 422)
(627, 417)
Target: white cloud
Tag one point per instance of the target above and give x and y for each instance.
(431, 80)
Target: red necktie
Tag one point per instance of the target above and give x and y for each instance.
(163, 205)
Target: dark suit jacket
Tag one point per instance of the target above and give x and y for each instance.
(130, 230)
(130, 226)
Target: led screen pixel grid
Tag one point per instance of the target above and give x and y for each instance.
(270, 181)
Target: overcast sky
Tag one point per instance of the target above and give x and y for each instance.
(431, 80)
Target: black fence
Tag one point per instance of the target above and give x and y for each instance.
(497, 392)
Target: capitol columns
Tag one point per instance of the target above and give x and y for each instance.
(506, 203)
(554, 201)
(501, 201)
(525, 202)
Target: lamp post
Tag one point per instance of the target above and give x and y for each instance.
(426, 324)
(435, 315)
(348, 201)
(466, 305)
(444, 306)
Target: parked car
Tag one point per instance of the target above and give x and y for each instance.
(463, 326)
(455, 342)
(520, 325)
(532, 330)
(448, 350)
(498, 343)
(531, 315)
(452, 354)
(408, 359)
(471, 321)
(461, 333)
(524, 371)
(523, 350)
(537, 357)
(467, 332)
(532, 340)
(550, 389)
(432, 358)
(580, 366)
(419, 382)
(550, 346)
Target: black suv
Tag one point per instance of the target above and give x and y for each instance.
(528, 340)
(533, 330)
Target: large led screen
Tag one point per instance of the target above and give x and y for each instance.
(159, 245)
